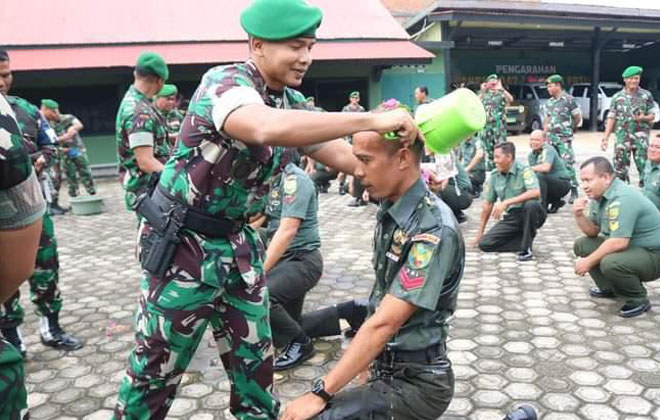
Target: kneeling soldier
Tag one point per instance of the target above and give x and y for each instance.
(554, 179)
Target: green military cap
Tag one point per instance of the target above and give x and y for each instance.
(492, 77)
(168, 90)
(354, 94)
(276, 20)
(555, 78)
(632, 71)
(50, 104)
(153, 63)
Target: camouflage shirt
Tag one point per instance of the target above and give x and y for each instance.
(559, 114)
(38, 136)
(75, 146)
(138, 124)
(173, 120)
(419, 256)
(623, 109)
(494, 103)
(351, 108)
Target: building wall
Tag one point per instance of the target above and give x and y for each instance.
(399, 82)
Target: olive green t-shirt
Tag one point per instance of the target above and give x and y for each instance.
(623, 212)
(652, 182)
(519, 179)
(548, 154)
(468, 149)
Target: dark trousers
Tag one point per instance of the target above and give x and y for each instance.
(516, 230)
(621, 272)
(288, 283)
(322, 178)
(478, 178)
(400, 392)
(358, 189)
(457, 199)
(553, 189)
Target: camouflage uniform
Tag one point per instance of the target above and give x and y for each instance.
(173, 120)
(138, 119)
(75, 158)
(351, 108)
(631, 137)
(21, 204)
(559, 115)
(39, 139)
(495, 130)
(217, 280)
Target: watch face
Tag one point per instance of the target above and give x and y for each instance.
(318, 385)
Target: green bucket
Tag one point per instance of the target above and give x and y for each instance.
(449, 120)
(87, 205)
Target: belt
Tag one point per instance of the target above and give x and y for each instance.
(423, 356)
(196, 220)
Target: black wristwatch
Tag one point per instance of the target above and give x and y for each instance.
(318, 388)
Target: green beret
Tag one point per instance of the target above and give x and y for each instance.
(50, 104)
(354, 94)
(168, 90)
(632, 71)
(276, 20)
(555, 78)
(492, 77)
(153, 63)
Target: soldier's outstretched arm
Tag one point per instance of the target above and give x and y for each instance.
(258, 124)
(336, 154)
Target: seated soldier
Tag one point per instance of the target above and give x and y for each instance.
(554, 179)
(293, 262)
(455, 191)
(621, 249)
(419, 259)
(651, 174)
(471, 155)
(520, 209)
(321, 175)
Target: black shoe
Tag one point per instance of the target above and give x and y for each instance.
(574, 195)
(554, 207)
(461, 217)
(358, 202)
(598, 293)
(324, 189)
(524, 412)
(14, 336)
(630, 310)
(52, 334)
(56, 210)
(294, 354)
(526, 255)
(355, 316)
(343, 189)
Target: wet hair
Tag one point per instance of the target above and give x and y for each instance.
(423, 89)
(601, 165)
(508, 148)
(4, 55)
(392, 146)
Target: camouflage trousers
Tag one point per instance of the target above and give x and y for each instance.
(637, 145)
(492, 135)
(55, 174)
(200, 288)
(78, 168)
(44, 292)
(564, 148)
(13, 395)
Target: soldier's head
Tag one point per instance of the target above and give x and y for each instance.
(50, 109)
(554, 84)
(596, 175)
(150, 73)
(281, 34)
(166, 98)
(421, 94)
(632, 76)
(654, 149)
(5, 73)
(504, 154)
(354, 98)
(536, 140)
(492, 81)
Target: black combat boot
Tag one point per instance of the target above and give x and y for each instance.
(53, 335)
(574, 195)
(56, 210)
(14, 336)
(524, 412)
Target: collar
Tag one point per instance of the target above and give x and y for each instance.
(257, 78)
(611, 190)
(139, 94)
(402, 209)
(654, 165)
(512, 170)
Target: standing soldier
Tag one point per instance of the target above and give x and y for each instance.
(495, 99)
(166, 105)
(67, 127)
(202, 263)
(422, 95)
(39, 139)
(55, 174)
(630, 118)
(562, 117)
(141, 132)
(352, 106)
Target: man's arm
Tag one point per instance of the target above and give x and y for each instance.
(71, 132)
(144, 156)
(507, 96)
(336, 154)
(527, 195)
(478, 157)
(281, 241)
(609, 127)
(585, 224)
(577, 120)
(542, 168)
(486, 210)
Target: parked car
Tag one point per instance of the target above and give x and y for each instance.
(532, 96)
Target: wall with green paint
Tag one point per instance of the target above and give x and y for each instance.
(399, 82)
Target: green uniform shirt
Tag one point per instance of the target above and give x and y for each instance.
(652, 182)
(559, 115)
(419, 257)
(624, 212)
(468, 149)
(294, 195)
(624, 107)
(519, 179)
(548, 154)
(462, 178)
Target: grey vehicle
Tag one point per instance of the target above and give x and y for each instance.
(533, 96)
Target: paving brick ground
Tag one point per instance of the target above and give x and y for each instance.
(524, 332)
